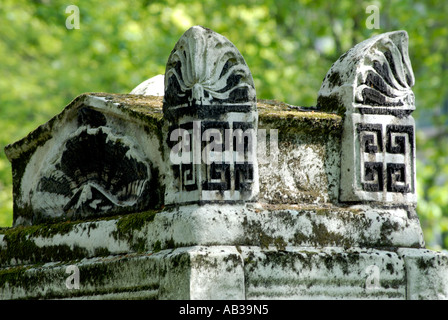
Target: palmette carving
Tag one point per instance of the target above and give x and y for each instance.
(375, 77)
(96, 172)
(371, 87)
(388, 76)
(205, 68)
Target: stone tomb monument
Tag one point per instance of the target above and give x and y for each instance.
(207, 193)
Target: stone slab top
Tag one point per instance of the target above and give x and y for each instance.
(267, 108)
(150, 107)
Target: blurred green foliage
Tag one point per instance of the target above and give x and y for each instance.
(288, 45)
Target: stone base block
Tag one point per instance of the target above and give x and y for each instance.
(327, 273)
(237, 272)
(427, 274)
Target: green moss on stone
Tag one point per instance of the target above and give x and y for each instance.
(180, 261)
(278, 115)
(425, 264)
(21, 247)
(128, 224)
(387, 228)
(101, 252)
(157, 246)
(280, 243)
(12, 276)
(331, 103)
(327, 238)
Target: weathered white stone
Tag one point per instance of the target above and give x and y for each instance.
(219, 272)
(427, 274)
(305, 170)
(99, 278)
(209, 225)
(375, 73)
(378, 180)
(201, 64)
(311, 179)
(90, 236)
(154, 86)
(185, 273)
(324, 273)
(205, 273)
(280, 227)
(292, 184)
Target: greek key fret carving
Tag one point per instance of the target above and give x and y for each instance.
(398, 138)
(396, 178)
(390, 163)
(373, 176)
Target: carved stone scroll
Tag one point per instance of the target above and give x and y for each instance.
(210, 104)
(371, 86)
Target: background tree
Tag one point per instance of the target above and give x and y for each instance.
(289, 46)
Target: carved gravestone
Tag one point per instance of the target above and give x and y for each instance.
(371, 86)
(92, 159)
(210, 104)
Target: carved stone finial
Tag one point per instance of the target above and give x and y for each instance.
(210, 103)
(206, 69)
(371, 86)
(375, 76)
